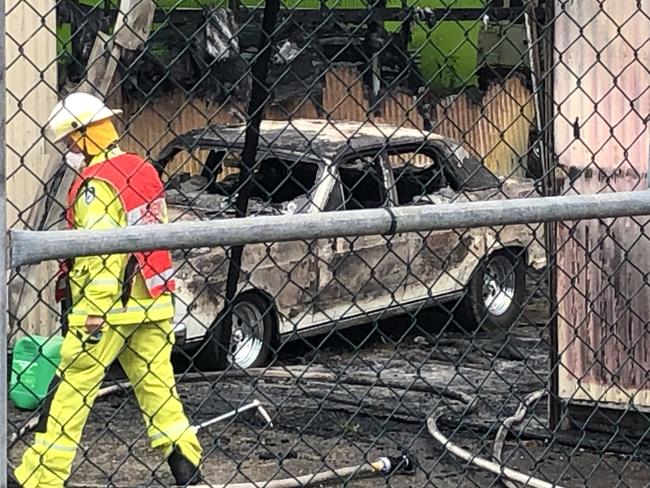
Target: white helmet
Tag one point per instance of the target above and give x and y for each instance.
(76, 111)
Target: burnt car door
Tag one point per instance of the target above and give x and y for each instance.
(420, 178)
(281, 183)
(364, 275)
(285, 271)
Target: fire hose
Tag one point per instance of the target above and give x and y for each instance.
(500, 438)
(383, 466)
(496, 468)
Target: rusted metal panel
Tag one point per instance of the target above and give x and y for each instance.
(495, 129)
(601, 94)
(601, 83)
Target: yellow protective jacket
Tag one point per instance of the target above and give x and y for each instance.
(96, 281)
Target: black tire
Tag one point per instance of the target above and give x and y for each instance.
(213, 355)
(476, 310)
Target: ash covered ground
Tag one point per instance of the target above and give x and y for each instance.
(321, 422)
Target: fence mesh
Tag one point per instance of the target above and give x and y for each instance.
(387, 355)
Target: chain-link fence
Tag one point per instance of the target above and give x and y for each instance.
(364, 286)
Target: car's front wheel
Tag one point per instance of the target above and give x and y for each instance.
(250, 338)
(495, 293)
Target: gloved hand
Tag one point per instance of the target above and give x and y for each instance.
(94, 324)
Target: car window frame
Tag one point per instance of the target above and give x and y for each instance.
(292, 160)
(378, 154)
(331, 185)
(425, 148)
(317, 199)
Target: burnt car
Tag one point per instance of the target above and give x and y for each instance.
(294, 289)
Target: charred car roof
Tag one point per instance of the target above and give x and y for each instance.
(313, 139)
(321, 138)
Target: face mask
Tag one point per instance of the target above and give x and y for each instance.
(75, 160)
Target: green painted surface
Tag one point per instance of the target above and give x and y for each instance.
(448, 53)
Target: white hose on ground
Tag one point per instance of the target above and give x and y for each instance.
(517, 418)
(381, 466)
(483, 463)
(310, 479)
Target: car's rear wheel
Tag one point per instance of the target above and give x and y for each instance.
(495, 293)
(250, 338)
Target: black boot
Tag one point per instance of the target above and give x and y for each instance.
(185, 473)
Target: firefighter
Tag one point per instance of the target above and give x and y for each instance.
(121, 305)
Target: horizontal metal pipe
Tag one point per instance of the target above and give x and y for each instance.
(29, 247)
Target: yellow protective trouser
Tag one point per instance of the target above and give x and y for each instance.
(144, 351)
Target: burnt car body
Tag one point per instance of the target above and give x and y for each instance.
(291, 289)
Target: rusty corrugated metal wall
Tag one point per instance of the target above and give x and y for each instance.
(496, 129)
(601, 96)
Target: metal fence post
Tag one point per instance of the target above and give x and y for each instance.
(3, 258)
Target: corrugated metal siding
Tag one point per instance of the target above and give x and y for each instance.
(343, 97)
(601, 83)
(153, 126)
(399, 109)
(496, 129)
(31, 84)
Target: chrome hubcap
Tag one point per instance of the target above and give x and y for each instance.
(499, 285)
(246, 340)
